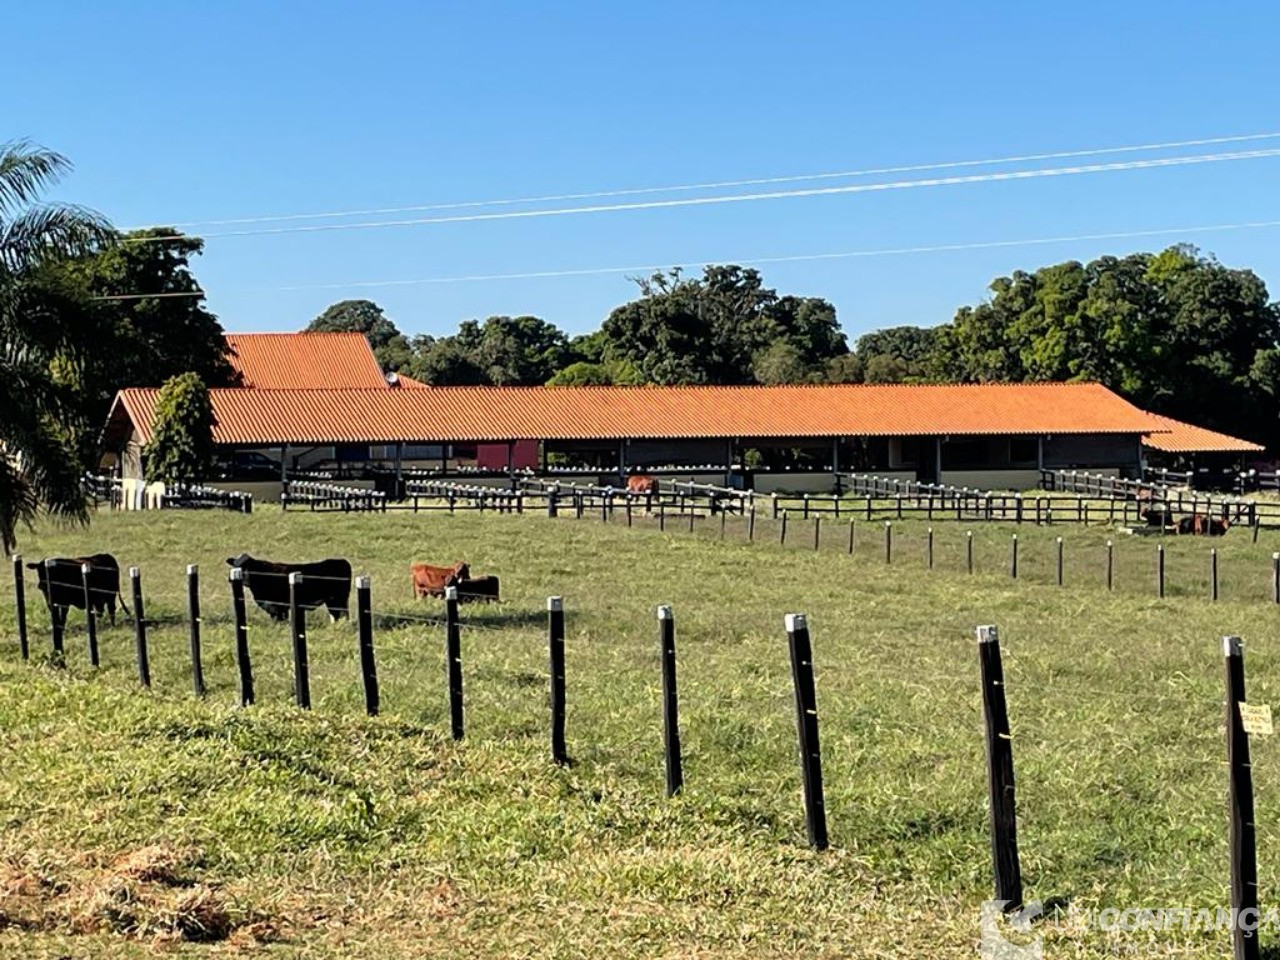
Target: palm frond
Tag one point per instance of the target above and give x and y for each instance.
(19, 504)
(51, 230)
(26, 170)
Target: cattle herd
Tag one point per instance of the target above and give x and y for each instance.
(94, 581)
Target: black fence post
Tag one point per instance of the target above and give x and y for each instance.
(1013, 558)
(670, 702)
(555, 643)
(298, 627)
(1213, 574)
(1160, 570)
(453, 661)
(851, 535)
(929, 548)
(817, 533)
(968, 549)
(58, 619)
(364, 627)
(90, 619)
(1004, 821)
(751, 524)
(782, 534)
(807, 728)
(1275, 577)
(20, 598)
(193, 614)
(888, 541)
(1060, 560)
(243, 664)
(1111, 565)
(140, 628)
(1244, 855)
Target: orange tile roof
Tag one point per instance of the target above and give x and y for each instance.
(304, 361)
(1188, 438)
(458, 414)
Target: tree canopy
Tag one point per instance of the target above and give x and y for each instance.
(181, 448)
(502, 351)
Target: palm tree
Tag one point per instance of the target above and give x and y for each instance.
(38, 468)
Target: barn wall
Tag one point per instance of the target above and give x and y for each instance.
(796, 482)
(646, 453)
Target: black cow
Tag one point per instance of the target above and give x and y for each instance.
(478, 588)
(62, 582)
(324, 583)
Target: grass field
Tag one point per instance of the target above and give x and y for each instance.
(133, 819)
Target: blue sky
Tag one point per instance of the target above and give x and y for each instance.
(197, 112)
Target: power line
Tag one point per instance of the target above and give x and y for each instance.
(796, 258)
(750, 197)
(723, 184)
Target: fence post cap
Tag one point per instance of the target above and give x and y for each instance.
(86, 567)
(17, 558)
(362, 582)
(235, 573)
(451, 593)
(295, 577)
(664, 613)
(1059, 539)
(1232, 646)
(192, 569)
(134, 573)
(555, 603)
(794, 622)
(988, 634)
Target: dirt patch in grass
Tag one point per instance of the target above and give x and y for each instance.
(152, 893)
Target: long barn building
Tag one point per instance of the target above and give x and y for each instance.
(309, 401)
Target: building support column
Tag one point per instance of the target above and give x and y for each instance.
(622, 462)
(835, 463)
(937, 459)
(399, 491)
(284, 462)
(728, 462)
(511, 463)
(1040, 452)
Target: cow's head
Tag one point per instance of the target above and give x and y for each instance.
(239, 561)
(461, 571)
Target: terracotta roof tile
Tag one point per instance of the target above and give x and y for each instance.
(304, 361)
(457, 414)
(1188, 438)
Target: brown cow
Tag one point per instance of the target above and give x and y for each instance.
(429, 581)
(1203, 525)
(642, 483)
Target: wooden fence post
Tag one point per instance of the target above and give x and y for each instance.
(243, 664)
(968, 549)
(298, 627)
(723, 515)
(364, 626)
(1004, 820)
(193, 615)
(751, 524)
(20, 598)
(453, 661)
(555, 643)
(1111, 565)
(140, 628)
(90, 620)
(1275, 577)
(851, 535)
(929, 548)
(670, 703)
(1160, 570)
(1244, 856)
(1213, 574)
(807, 728)
(782, 531)
(888, 541)
(58, 619)
(1013, 558)
(817, 533)
(1060, 560)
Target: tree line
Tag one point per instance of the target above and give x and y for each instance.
(86, 310)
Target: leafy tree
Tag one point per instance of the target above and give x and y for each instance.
(502, 351)
(846, 368)
(908, 352)
(39, 326)
(779, 363)
(610, 373)
(713, 329)
(389, 345)
(147, 320)
(181, 448)
(1175, 332)
(885, 368)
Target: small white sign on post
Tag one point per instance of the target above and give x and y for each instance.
(1256, 719)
